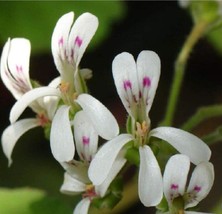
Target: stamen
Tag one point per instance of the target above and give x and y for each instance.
(64, 87)
(89, 192)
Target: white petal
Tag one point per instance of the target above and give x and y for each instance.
(184, 142)
(13, 132)
(183, 3)
(61, 138)
(175, 176)
(150, 179)
(77, 169)
(82, 207)
(71, 185)
(117, 166)
(81, 34)
(86, 138)
(15, 66)
(86, 73)
(101, 118)
(148, 70)
(51, 102)
(126, 81)
(28, 98)
(201, 183)
(104, 159)
(60, 39)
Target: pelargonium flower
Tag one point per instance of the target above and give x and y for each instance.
(76, 179)
(179, 195)
(15, 75)
(68, 45)
(136, 84)
(69, 42)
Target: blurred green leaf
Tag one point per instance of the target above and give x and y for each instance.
(30, 201)
(215, 38)
(35, 20)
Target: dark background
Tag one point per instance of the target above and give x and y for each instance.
(160, 26)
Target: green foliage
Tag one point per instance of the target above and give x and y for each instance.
(30, 201)
(205, 11)
(35, 20)
(214, 37)
(112, 198)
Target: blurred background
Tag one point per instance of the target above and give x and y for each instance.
(131, 26)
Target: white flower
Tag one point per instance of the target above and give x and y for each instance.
(76, 179)
(69, 42)
(68, 46)
(136, 84)
(175, 181)
(15, 75)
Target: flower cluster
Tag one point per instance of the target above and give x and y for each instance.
(77, 120)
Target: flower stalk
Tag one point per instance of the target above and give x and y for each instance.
(180, 66)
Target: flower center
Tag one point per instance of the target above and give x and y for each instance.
(43, 120)
(142, 130)
(90, 192)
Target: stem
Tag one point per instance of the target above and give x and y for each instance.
(180, 65)
(204, 113)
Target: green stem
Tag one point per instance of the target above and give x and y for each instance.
(202, 114)
(180, 65)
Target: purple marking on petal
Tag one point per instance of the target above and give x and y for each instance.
(85, 140)
(174, 186)
(127, 84)
(146, 82)
(197, 188)
(61, 41)
(19, 69)
(78, 41)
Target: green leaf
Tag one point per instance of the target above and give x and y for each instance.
(35, 20)
(30, 201)
(215, 38)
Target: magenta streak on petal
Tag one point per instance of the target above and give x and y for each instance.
(174, 186)
(85, 140)
(127, 84)
(19, 69)
(197, 188)
(78, 41)
(61, 41)
(146, 82)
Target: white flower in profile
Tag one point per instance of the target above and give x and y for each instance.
(15, 76)
(136, 84)
(76, 179)
(69, 42)
(178, 195)
(68, 45)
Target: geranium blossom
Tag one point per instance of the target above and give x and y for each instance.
(15, 75)
(76, 179)
(68, 45)
(136, 84)
(180, 197)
